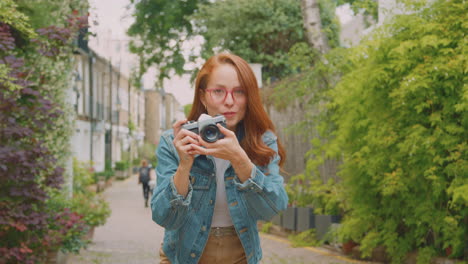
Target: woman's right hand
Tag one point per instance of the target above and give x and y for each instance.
(183, 140)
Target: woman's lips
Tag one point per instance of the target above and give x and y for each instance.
(229, 114)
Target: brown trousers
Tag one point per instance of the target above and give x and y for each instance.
(225, 249)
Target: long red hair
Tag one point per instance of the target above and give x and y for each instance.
(256, 120)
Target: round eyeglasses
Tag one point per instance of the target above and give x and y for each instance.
(220, 94)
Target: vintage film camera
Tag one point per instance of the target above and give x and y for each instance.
(206, 127)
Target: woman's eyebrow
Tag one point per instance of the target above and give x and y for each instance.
(223, 86)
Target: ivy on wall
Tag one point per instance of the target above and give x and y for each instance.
(35, 66)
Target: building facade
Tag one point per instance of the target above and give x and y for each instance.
(164, 109)
(110, 112)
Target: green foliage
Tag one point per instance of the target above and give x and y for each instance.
(106, 174)
(131, 127)
(260, 31)
(266, 227)
(82, 175)
(187, 109)
(330, 22)
(398, 120)
(35, 131)
(66, 230)
(306, 191)
(122, 165)
(44, 13)
(297, 191)
(147, 151)
(136, 162)
(304, 239)
(11, 16)
(161, 27)
(94, 209)
(315, 76)
(370, 7)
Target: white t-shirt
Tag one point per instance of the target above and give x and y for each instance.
(221, 216)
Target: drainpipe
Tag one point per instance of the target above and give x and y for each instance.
(110, 112)
(91, 105)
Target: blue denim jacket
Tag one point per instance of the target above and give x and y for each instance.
(187, 221)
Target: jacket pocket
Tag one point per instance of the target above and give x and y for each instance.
(201, 181)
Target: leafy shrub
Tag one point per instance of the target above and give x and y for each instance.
(66, 227)
(398, 122)
(136, 162)
(82, 175)
(28, 114)
(107, 174)
(122, 165)
(266, 227)
(94, 209)
(304, 239)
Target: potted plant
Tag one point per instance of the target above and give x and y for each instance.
(121, 169)
(104, 179)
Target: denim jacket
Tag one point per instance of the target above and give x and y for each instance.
(187, 221)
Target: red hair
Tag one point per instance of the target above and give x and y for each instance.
(256, 120)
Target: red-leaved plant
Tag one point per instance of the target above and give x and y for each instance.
(27, 166)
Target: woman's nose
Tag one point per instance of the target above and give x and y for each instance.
(229, 99)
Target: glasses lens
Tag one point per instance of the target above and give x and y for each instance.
(218, 94)
(239, 94)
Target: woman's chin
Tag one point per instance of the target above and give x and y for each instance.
(231, 125)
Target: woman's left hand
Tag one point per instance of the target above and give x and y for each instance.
(227, 148)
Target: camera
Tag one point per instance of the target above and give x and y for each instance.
(206, 127)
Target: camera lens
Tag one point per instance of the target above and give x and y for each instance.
(210, 133)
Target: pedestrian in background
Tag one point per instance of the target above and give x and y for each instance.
(152, 181)
(144, 178)
(210, 196)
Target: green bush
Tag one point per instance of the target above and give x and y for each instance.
(122, 165)
(399, 124)
(82, 175)
(66, 227)
(304, 239)
(136, 162)
(266, 227)
(107, 174)
(94, 209)
(153, 161)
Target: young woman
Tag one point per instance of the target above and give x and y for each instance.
(210, 195)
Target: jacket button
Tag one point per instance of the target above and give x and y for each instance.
(211, 201)
(203, 228)
(233, 204)
(193, 255)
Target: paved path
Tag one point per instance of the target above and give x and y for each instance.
(131, 237)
